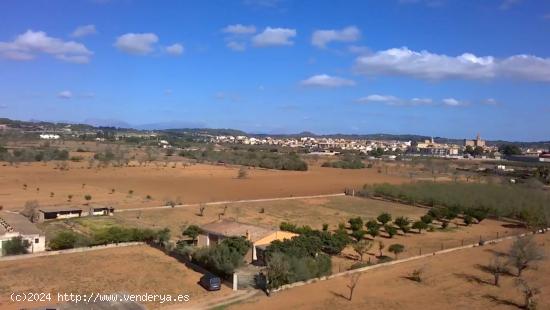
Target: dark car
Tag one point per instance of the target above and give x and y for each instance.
(211, 282)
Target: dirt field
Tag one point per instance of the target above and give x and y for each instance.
(132, 270)
(455, 280)
(49, 185)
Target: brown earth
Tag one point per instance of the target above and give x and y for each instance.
(131, 270)
(178, 182)
(454, 280)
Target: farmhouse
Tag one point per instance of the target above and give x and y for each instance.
(60, 212)
(15, 225)
(260, 237)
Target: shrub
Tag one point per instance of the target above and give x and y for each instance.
(390, 230)
(396, 249)
(420, 225)
(356, 223)
(15, 246)
(384, 218)
(66, 240)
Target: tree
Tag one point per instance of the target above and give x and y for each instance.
(529, 293)
(428, 219)
(362, 247)
(88, 197)
(31, 210)
(396, 249)
(497, 267)
(523, 253)
(278, 270)
(419, 225)
(201, 210)
(390, 230)
(381, 246)
(358, 234)
(384, 218)
(356, 223)
(509, 149)
(373, 228)
(403, 224)
(243, 173)
(163, 236)
(192, 231)
(468, 220)
(353, 280)
(15, 246)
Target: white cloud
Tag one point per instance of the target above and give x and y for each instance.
(507, 4)
(324, 80)
(491, 101)
(378, 98)
(236, 46)
(27, 45)
(452, 102)
(239, 29)
(83, 31)
(136, 43)
(418, 101)
(321, 38)
(274, 37)
(66, 94)
(426, 65)
(392, 100)
(175, 49)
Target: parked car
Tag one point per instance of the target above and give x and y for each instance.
(211, 282)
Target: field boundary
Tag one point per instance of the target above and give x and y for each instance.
(214, 203)
(395, 262)
(69, 251)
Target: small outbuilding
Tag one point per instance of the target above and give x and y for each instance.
(259, 236)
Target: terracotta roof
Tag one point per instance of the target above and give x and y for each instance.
(14, 222)
(230, 228)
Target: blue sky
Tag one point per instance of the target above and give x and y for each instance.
(433, 67)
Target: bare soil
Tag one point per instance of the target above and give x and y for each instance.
(129, 187)
(455, 280)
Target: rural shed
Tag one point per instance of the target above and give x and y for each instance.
(215, 232)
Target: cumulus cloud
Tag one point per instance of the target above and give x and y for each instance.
(324, 80)
(392, 100)
(426, 65)
(274, 37)
(136, 43)
(83, 31)
(66, 94)
(321, 38)
(239, 29)
(175, 49)
(27, 45)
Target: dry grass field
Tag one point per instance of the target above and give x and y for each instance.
(176, 181)
(132, 270)
(454, 280)
(313, 212)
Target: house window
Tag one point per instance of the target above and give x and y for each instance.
(36, 240)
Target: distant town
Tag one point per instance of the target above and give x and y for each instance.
(391, 149)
